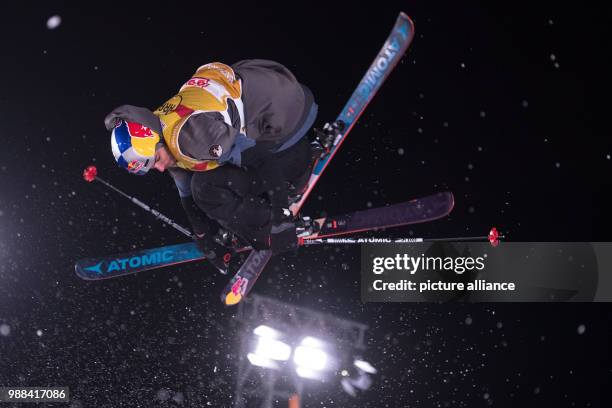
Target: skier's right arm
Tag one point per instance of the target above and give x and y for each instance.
(200, 223)
(202, 226)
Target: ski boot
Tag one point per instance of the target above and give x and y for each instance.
(328, 136)
(306, 226)
(218, 249)
(226, 238)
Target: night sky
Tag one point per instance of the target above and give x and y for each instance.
(506, 107)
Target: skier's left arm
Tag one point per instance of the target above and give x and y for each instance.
(204, 137)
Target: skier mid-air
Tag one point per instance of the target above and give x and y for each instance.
(233, 141)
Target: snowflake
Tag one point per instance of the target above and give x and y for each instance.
(53, 22)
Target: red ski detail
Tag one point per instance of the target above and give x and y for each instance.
(236, 286)
(334, 224)
(227, 258)
(90, 173)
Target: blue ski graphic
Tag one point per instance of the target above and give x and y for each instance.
(132, 262)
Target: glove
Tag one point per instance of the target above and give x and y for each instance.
(218, 255)
(283, 238)
(280, 216)
(283, 235)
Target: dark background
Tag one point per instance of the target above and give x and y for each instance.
(477, 106)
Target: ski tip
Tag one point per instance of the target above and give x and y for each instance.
(232, 299)
(451, 199)
(405, 16)
(78, 270)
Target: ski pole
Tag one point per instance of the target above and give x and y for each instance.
(493, 239)
(91, 173)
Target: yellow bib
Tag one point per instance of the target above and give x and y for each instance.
(207, 91)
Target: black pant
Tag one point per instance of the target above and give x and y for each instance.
(242, 199)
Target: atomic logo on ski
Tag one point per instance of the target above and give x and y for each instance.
(119, 265)
(382, 63)
(95, 268)
(137, 261)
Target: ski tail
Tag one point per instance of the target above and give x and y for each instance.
(242, 283)
(137, 261)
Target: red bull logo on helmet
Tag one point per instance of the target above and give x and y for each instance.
(138, 130)
(135, 165)
(143, 139)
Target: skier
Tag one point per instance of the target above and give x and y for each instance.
(233, 141)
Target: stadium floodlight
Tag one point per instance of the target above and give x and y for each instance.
(359, 382)
(310, 358)
(348, 387)
(308, 373)
(295, 348)
(313, 342)
(266, 331)
(273, 349)
(269, 349)
(365, 366)
(260, 361)
(352, 385)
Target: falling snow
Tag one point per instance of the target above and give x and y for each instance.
(54, 22)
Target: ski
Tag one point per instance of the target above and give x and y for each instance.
(412, 212)
(416, 211)
(406, 213)
(129, 263)
(389, 56)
